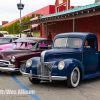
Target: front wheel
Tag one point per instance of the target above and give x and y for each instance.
(34, 80)
(23, 67)
(74, 79)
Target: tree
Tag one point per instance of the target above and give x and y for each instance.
(15, 28)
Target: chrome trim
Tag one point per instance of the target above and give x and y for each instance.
(13, 57)
(50, 62)
(42, 55)
(50, 78)
(5, 61)
(3, 64)
(45, 67)
(11, 66)
(31, 74)
(25, 74)
(9, 69)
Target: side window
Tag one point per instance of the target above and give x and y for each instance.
(14, 39)
(90, 43)
(44, 44)
(29, 45)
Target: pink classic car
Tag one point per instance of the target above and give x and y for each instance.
(6, 46)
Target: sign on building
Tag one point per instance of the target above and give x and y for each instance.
(60, 1)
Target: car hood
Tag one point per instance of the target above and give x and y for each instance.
(60, 54)
(6, 54)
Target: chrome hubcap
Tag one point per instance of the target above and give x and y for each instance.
(75, 76)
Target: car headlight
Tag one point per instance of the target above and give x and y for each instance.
(28, 63)
(13, 59)
(61, 65)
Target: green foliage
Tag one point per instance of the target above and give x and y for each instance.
(15, 28)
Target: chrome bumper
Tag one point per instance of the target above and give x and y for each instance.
(9, 69)
(50, 78)
(7, 66)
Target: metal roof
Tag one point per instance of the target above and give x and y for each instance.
(79, 12)
(73, 10)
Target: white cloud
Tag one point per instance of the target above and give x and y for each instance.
(81, 2)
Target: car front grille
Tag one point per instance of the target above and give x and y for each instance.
(4, 63)
(44, 68)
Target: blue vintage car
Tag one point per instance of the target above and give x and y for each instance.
(73, 57)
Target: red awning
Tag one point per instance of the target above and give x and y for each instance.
(34, 28)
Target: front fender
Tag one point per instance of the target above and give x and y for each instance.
(70, 64)
(33, 67)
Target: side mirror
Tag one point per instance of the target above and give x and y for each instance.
(87, 47)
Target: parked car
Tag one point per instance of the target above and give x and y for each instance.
(23, 49)
(73, 57)
(6, 40)
(6, 46)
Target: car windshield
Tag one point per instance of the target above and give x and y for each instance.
(5, 40)
(24, 45)
(68, 42)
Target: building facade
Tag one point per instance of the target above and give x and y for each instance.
(4, 22)
(62, 4)
(81, 19)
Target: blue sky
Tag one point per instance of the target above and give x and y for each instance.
(9, 11)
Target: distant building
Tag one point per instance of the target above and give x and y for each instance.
(50, 9)
(62, 5)
(4, 22)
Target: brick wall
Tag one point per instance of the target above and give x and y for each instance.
(57, 28)
(88, 24)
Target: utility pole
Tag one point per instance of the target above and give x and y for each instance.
(20, 7)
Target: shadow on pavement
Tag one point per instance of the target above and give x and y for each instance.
(54, 83)
(63, 83)
(10, 73)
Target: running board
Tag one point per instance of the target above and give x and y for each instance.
(92, 75)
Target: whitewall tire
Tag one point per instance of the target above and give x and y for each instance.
(74, 79)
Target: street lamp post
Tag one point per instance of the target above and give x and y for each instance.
(20, 7)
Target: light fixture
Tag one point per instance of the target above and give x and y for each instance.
(20, 7)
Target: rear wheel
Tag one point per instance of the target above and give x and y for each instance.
(34, 80)
(74, 79)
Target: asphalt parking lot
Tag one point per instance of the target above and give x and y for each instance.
(87, 89)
